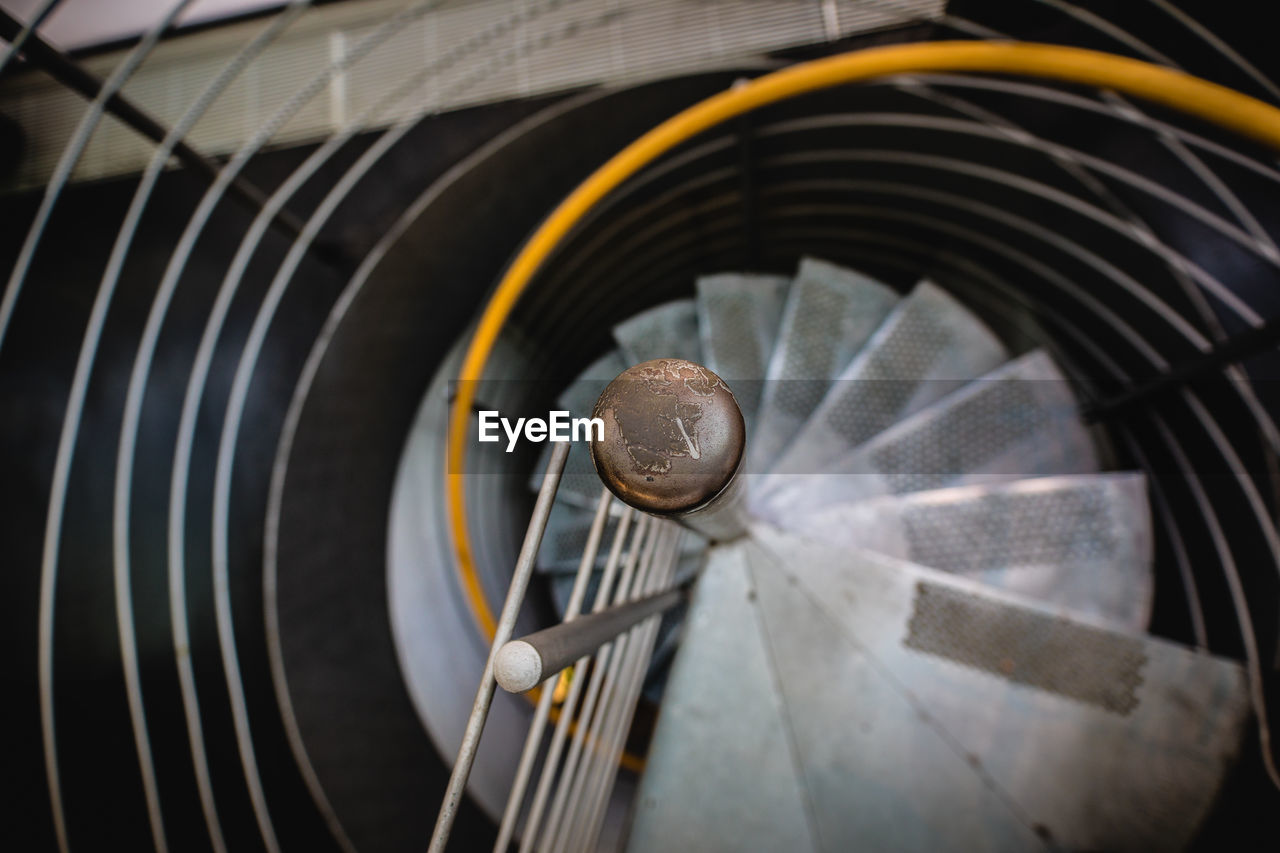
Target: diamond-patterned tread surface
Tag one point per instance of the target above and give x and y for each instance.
(927, 347)
(669, 330)
(1082, 543)
(830, 313)
(1018, 421)
(738, 319)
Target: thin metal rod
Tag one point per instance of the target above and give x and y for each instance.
(506, 624)
(50, 553)
(601, 789)
(16, 43)
(585, 717)
(745, 131)
(574, 792)
(1235, 349)
(538, 806)
(71, 74)
(533, 740)
(71, 426)
(525, 662)
(600, 786)
(586, 828)
(1239, 599)
(1190, 589)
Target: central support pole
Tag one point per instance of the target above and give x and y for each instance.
(674, 441)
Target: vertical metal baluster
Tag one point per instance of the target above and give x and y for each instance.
(582, 736)
(600, 786)
(612, 766)
(585, 735)
(572, 806)
(578, 677)
(506, 623)
(534, 738)
(530, 834)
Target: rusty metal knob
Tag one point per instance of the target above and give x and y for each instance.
(674, 437)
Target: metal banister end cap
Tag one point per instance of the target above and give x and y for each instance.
(518, 667)
(674, 437)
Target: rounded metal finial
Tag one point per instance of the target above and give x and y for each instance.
(673, 436)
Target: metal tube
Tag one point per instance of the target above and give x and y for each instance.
(71, 74)
(724, 518)
(506, 624)
(523, 663)
(533, 739)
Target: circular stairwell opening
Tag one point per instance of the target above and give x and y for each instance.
(1032, 212)
(237, 437)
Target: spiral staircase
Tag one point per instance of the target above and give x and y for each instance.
(1001, 564)
(941, 600)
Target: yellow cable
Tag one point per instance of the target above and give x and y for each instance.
(1219, 105)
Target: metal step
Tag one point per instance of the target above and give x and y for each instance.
(932, 713)
(1016, 422)
(928, 347)
(579, 485)
(668, 331)
(738, 319)
(1080, 543)
(720, 775)
(830, 313)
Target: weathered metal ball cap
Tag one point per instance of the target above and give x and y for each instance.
(673, 436)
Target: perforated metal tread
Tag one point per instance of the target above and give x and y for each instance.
(738, 320)
(1080, 543)
(927, 347)
(1016, 422)
(668, 331)
(830, 313)
(929, 711)
(579, 484)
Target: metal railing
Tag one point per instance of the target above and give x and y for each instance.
(599, 661)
